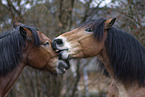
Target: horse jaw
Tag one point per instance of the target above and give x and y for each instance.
(70, 48)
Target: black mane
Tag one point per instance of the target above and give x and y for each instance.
(126, 54)
(11, 45)
(96, 26)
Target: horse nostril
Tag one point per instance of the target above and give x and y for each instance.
(59, 41)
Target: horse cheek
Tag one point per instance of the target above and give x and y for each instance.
(90, 46)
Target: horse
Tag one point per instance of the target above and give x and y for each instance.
(25, 46)
(122, 54)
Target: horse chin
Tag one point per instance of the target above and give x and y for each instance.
(63, 55)
(52, 65)
(63, 65)
(60, 67)
(56, 66)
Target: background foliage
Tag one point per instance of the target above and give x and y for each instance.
(54, 17)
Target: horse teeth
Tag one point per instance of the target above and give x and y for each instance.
(56, 51)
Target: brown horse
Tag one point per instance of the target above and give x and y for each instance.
(23, 46)
(122, 55)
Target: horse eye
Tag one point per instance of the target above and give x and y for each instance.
(45, 44)
(88, 30)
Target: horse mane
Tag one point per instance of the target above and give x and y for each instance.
(126, 54)
(11, 46)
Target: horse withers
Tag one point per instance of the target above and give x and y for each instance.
(23, 46)
(121, 53)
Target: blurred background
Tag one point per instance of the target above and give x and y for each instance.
(54, 17)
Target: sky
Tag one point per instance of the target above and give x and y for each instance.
(28, 6)
(105, 3)
(93, 4)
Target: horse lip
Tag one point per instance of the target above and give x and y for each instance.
(55, 48)
(59, 50)
(63, 67)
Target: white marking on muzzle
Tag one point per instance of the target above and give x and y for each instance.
(66, 44)
(65, 55)
(57, 69)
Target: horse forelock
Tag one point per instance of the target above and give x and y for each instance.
(97, 27)
(11, 45)
(35, 35)
(126, 56)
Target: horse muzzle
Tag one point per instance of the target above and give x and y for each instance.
(59, 47)
(63, 65)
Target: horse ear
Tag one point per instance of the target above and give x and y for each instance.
(23, 31)
(109, 23)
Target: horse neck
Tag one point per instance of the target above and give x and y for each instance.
(125, 88)
(7, 81)
(102, 56)
(105, 59)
